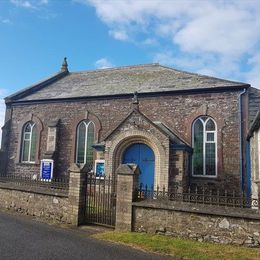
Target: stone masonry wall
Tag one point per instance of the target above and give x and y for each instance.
(47, 207)
(179, 168)
(219, 225)
(176, 111)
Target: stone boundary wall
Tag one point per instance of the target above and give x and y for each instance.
(49, 207)
(59, 206)
(199, 222)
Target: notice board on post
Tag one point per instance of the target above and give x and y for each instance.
(46, 169)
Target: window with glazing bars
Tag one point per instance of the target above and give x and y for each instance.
(29, 138)
(85, 140)
(204, 158)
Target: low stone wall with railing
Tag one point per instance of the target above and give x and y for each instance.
(47, 200)
(198, 194)
(52, 208)
(202, 223)
(198, 213)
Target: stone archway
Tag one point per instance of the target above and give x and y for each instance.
(117, 145)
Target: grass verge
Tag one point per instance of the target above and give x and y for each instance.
(182, 248)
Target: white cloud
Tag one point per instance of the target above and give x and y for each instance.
(6, 21)
(103, 63)
(254, 74)
(166, 58)
(150, 41)
(39, 7)
(119, 35)
(223, 31)
(30, 4)
(207, 64)
(220, 37)
(44, 2)
(23, 3)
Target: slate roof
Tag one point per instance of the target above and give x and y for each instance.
(174, 137)
(254, 103)
(150, 78)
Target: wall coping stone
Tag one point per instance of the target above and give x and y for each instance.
(127, 169)
(200, 209)
(75, 167)
(8, 186)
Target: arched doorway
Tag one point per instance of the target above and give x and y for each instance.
(142, 155)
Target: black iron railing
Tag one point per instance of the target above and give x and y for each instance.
(55, 185)
(197, 194)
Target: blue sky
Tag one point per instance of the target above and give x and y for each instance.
(219, 38)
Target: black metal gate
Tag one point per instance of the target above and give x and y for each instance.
(100, 201)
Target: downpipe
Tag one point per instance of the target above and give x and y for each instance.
(241, 138)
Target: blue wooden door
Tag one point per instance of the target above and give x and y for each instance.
(143, 156)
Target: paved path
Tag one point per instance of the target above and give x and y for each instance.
(24, 238)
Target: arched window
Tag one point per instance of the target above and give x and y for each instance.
(29, 139)
(85, 140)
(204, 141)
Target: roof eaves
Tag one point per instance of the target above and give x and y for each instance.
(151, 93)
(35, 87)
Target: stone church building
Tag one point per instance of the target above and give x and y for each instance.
(177, 126)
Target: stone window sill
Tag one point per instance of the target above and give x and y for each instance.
(205, 176)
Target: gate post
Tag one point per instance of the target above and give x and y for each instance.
(77, 190)
(127, 182)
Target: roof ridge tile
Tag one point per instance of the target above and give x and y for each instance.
(119, 68)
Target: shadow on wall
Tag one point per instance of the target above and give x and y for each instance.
(2, 155)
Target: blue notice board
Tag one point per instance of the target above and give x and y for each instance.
(46, 169)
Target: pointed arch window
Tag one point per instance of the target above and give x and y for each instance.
(204, 141)
(85, 140)
(29, 139)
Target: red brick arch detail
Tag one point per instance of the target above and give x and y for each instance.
(202, 111)
(39, 128)
(84, 116)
